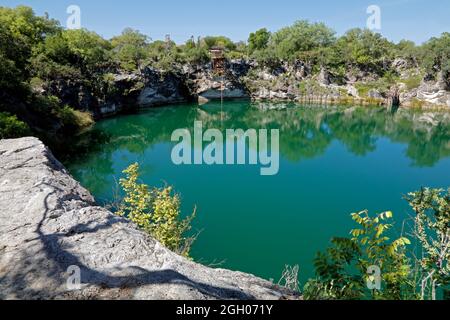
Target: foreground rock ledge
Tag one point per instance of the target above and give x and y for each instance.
(48, 222)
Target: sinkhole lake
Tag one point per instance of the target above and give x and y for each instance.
(333, 161)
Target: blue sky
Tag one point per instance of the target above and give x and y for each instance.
(416, 20)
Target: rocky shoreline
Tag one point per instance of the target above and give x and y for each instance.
(50, 225)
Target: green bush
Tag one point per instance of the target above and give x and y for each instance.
(413, 82)
(11, 127)
(312, 87)
(74, 118)
(432, 230)
(156, 211)
(342, 271)
(383, 85)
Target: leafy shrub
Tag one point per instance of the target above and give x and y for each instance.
(312, 87)
(83, 119)
(11, 127)
(383, 85)
(432, 230)
(364, 88)
(342, 271)
(413, 82)
(156, 211)
(74, 118)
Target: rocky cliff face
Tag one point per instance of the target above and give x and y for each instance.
(162, 88)
(50, 225)
(433, 92)
(204, 85)
(247, 80)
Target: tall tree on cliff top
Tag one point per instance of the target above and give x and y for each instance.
(301, 40)
(130, 49)
(258, 40)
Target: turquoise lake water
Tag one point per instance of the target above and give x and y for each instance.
(333, 161)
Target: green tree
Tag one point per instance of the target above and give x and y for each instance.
(258, 40)
(192, 52)
(436, 55)
(409, 51)
(130, 49)
(74, 56)
(165, 55)
(218, 41)
(25, 30)
(365, 50)
(301, 40)
(91, 50)
(80, 49)
(20, 32)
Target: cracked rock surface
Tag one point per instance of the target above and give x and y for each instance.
(50, 225)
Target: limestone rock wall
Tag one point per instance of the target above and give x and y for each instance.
(244, 79)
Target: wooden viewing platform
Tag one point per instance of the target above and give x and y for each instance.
(218, 60)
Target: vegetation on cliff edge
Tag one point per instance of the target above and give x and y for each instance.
(157, 211)
(406, 272)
